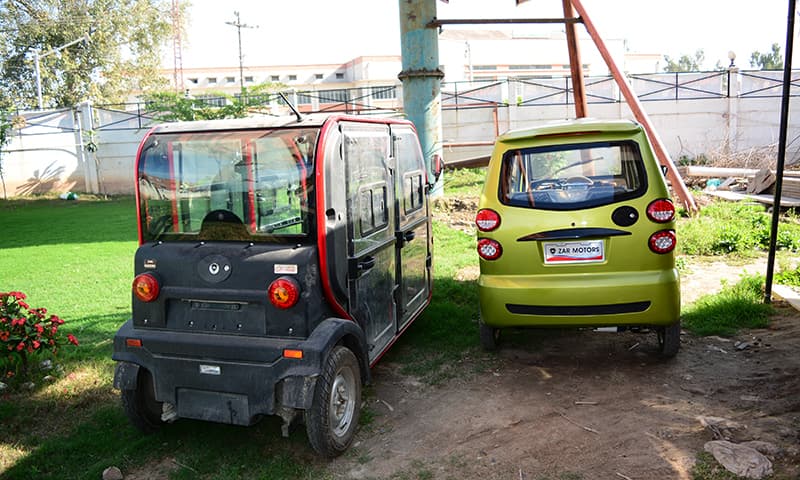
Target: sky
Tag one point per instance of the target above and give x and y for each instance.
(291, 32)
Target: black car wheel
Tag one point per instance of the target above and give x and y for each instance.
(669, 339)
(333, 417)
(140, 405)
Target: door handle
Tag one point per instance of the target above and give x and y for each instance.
(367, 263)
(409, 235)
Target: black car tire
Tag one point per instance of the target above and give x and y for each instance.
(490, 336)
(332, 420)
(669, 339)
(140, 405)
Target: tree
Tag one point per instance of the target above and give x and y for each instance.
(685, 63)
(767, 61)
(123, 53)
(170, 106)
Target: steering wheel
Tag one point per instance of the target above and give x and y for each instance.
(579, 179)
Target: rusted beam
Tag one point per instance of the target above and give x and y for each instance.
(575, 65)
(633, 103)
(438, 22)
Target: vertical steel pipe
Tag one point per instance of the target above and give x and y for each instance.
(776, 203)
(421, 75)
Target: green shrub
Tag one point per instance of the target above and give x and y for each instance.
(724, 228)
(734, 307)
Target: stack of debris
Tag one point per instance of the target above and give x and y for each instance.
(744, 183)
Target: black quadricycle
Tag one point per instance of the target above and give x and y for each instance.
(278, 260)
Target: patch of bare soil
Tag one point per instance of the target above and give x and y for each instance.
(587, 404)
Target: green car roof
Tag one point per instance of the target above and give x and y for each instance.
(583, 125)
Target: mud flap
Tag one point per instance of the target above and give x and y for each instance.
(125, 376)
(297, 391)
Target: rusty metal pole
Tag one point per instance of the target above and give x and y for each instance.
(633, 103)
(421, 76)
(575, 65)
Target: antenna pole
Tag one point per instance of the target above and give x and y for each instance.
(239, 26)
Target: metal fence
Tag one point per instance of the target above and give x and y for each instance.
(519, 92)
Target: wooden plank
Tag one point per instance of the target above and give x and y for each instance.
(788, 202)
(788, 294)
(725, 172)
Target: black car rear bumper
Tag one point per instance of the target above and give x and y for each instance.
(229, 378)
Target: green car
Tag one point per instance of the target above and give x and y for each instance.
(576, 229)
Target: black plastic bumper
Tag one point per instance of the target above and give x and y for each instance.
(227, 378)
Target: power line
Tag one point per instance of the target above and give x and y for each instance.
(239, 26)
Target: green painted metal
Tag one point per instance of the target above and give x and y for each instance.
(421, 75)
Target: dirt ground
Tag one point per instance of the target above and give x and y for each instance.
(588, 405)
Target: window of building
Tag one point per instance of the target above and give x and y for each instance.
(193, 81)
(292, 77)
(339, 76)
(230, 79)
(248, 79)
(274, 78)
(334, 96)
(212, 80)
(318, 76)
(384, 93)
(484, 67)
(211, 100)
(303, 98)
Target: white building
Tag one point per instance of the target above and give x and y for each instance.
(465, 56)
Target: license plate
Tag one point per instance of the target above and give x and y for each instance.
(587, 251)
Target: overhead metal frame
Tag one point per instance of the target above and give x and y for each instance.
(579, 93)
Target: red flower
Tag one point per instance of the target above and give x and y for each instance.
(20, 346)
(36, 344)
(39, 328)
(72, 339)
(23, 304)
(4, 336)
(55, 320)
(3, 319)
(17, 295)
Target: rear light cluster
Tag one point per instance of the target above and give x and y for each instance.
(489, 249)
(663, 241)
(283, 292)
(146, 287)
(488, 220)
(662, 211)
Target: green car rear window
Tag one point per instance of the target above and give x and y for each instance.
(572, 177)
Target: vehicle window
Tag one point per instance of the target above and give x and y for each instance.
(570, 177)
(410, 166)
(230, 185)
(374, 215)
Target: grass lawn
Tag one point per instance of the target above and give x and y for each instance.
(76, 260)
